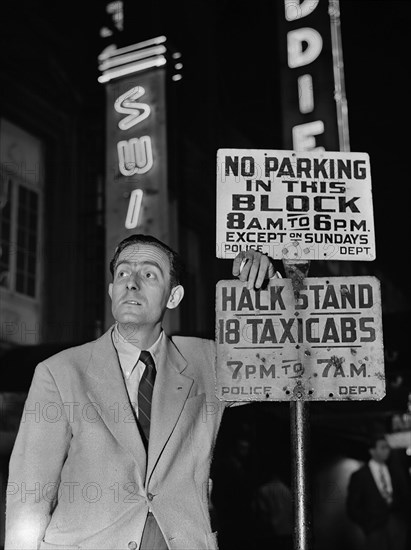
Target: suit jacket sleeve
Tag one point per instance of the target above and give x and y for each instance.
(36, 461)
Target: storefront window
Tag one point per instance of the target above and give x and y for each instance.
(21, 200)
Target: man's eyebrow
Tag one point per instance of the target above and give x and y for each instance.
(145, 262)
(153, 263)
(121, 263)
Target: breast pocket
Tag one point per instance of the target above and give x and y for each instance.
(193, 414)
(194, 404)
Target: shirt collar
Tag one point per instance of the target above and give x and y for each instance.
(377, 466)
(128, 353)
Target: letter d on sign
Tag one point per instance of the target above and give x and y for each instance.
(297, 56)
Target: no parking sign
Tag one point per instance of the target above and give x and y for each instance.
(295, 206)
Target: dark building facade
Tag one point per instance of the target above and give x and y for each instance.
(52, 196)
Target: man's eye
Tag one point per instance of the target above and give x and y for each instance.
(121, 274)
(150, 275)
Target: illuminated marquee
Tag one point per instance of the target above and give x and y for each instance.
(136, 189)
(135, 78)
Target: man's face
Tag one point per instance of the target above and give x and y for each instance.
(381, 451)
(140, 291)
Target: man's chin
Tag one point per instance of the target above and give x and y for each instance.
(125, 320)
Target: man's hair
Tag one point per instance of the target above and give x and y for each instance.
(176, 264)
(374, 438)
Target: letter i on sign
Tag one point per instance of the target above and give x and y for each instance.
(134, 207)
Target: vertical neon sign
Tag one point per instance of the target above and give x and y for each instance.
(312, 82)
(136, 145)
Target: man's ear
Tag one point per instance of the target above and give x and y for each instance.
(110, 290)
(176, 296)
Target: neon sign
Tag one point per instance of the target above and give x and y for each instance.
(312, 82)
(135, 155)
(136, 111)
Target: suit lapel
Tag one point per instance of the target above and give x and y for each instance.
(108, 391)
(170, 393)
(372, 484)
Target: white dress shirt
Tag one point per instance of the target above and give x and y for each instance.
(378, 470)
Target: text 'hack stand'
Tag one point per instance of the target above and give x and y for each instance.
(299, 339)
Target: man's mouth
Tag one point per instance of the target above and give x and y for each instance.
(133, 302)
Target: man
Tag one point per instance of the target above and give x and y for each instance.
(98, 462)
(378, 499)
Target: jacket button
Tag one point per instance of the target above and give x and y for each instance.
(132, 545)
(150, 496)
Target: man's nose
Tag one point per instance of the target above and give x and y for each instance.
(133, 283)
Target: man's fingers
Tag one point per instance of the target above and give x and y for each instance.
(254, 267)
(262, 271)
(237, 263)
(245, 269)
(253, 271)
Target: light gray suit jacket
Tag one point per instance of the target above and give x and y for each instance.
(79, 475)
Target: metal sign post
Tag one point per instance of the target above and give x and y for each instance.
(300, 435)
(299, 422)
(299, 339)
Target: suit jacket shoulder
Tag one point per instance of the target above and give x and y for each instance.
(192, 347)
(200, 354)
(362, 473)
(80, 358)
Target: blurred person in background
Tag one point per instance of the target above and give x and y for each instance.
(274, 512)
(379, 499)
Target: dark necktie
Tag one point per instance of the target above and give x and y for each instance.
(145, 392)
(386, 493)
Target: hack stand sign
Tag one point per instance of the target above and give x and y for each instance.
(326, 344)
(298, 339)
